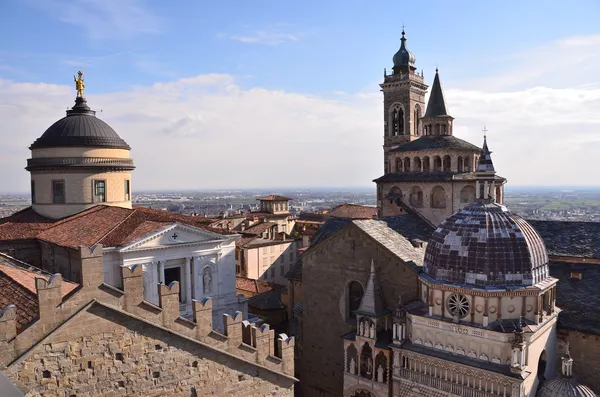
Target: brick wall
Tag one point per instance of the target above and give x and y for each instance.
(326, 273)
(102, 352)
(585, 351)
(73, 345)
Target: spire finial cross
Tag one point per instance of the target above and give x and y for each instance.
(484, 132)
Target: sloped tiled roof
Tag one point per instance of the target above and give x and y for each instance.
(107, 225)
(435, 142)
(567, 238)
(353, 211)
(17, 287)
(256, 286)
(269, 300)
(260, 228)
(393, 240)
(578, 298)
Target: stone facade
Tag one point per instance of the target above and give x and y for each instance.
(585, 351)
(101, 340)
(341, 259)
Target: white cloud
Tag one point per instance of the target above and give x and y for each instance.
(105, 19)
(267, 37)
(208, 132)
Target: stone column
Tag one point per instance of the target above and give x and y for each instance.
(188, 283)
(161, 272)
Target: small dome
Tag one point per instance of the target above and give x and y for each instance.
(485, 245)
(564, 387)
(403, 58)
(80, 128)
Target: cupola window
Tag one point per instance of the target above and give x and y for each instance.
(127, 190)
(32, 192)
(99, 191)
(58, 191)
(458, 305)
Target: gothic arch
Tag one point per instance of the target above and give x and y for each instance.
(396, 119)
(417, 164)
(351, 354)
(467, 194)
(381, 362)
(447, 163)
(426, 164)
(354, 294)
(438, 197)
(416, 196)
(366, 361)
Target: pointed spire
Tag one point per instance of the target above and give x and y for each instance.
(436, 106)
(372, 303)
(485, 163)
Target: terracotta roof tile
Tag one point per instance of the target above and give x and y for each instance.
(107, 225)
(353, 211)
(260, 228)
(256, 286)
(17, 287)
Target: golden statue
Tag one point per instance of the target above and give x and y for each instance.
(79, 84)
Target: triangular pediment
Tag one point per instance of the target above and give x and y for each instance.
(174, 235)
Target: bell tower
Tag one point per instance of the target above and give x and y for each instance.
(403, 102)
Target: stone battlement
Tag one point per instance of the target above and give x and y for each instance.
(255, 345)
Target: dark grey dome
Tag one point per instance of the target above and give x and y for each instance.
(485, 245)
(403, 58)
(564, 387)
(80, 127)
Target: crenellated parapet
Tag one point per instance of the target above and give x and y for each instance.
(257, 345)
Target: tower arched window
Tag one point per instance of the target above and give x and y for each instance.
(417, 164)
(407, 164)
(417, 120)
(355, 294)
(447, 163)
(460, 164)
(426, 165)
(398, 165)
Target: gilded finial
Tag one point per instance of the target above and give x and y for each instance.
(79, 84)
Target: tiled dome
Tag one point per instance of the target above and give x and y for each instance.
(80, 128)
(564, 387)
(485, 245)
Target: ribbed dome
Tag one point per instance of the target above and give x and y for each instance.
(403, 58)
(80, 128)
(564, 387)
(485, 245)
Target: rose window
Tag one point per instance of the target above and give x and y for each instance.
(458, 305)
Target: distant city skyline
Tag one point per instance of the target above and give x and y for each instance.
(233, 96)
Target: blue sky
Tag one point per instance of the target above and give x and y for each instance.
(311, 46)
(288, 77)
